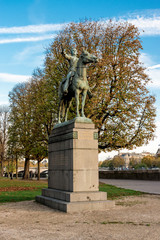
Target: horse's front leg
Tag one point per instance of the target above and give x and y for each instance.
(84, 94)
(77, 92)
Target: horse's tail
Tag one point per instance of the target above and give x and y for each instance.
(60, 90)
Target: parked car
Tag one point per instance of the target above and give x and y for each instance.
(5, 174)
(44, 174)
(20, 174)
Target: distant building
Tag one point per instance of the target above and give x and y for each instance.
(137, 156)
(158, 153)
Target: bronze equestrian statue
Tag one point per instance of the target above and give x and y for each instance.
(75, 83)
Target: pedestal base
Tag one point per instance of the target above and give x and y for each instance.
(74, 201)
(73, 182)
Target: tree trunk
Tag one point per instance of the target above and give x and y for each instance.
(26, 169)
(8, 169)
(2, 162)
(2, 167)
(38, 176)
(16, 167)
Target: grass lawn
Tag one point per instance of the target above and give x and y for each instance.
(21, 190)
(114, 192)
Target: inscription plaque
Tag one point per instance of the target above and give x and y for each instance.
(95, 135)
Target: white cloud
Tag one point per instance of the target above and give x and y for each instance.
(154, 67)
(6, 77)
(2, 103)
(154, 74)
(29, 51)
(153, 70)
(33, 28)
(27, 39)
(147, 26)
(106, 155)
(146, 59)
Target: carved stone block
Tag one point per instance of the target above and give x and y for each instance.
(73, 168)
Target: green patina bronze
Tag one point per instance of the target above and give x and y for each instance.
(74, 84)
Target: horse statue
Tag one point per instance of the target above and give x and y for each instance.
(78, 85)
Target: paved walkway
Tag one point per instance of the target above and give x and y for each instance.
(152, 187)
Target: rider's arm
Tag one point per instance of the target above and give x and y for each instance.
(68, 57)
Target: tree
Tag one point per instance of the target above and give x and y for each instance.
(110, 165)
(4, 114)
(13, 150)
(31, 120)
(11, 165)
(43, 115)
(39, 152)
(118, 161)
(141, 166)
(121, 107)
(133, 162)
(156, 162)
(100, 163)
(148, 161)
(21, 123)
(105, 163)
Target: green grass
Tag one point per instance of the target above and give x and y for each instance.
(18, 196)
(21, 190)
(115, 192)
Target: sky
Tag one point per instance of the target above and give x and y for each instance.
(28, 27)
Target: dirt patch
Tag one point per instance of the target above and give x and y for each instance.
(132, 218)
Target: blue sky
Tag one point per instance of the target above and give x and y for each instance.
(28, 27)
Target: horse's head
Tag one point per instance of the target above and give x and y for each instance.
(88, 58)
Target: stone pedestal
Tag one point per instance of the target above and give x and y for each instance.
(73, 169)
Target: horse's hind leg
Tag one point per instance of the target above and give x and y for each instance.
(84, 94)
(67, 109)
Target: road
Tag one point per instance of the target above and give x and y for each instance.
(152, 187)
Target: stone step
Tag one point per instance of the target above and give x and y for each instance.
(74, 196)
(71, 207)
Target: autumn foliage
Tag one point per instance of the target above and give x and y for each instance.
(121, 107)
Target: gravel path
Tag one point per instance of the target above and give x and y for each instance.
(132, 218)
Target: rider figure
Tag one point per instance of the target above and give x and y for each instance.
(73, 59)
